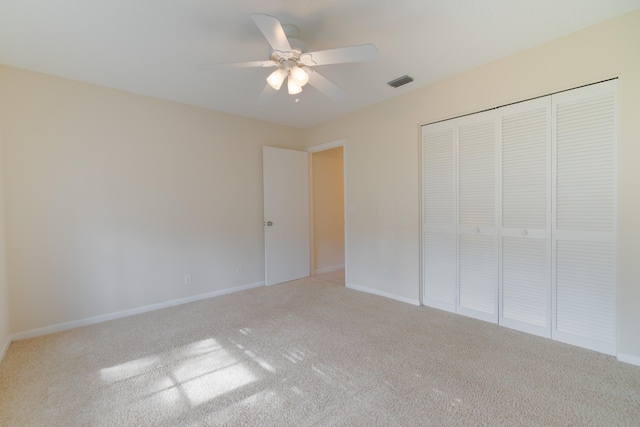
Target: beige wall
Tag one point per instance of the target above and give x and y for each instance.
(4, 290)
(328, 209)
(383, 168)
(112, 197)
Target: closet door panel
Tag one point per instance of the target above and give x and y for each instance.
(439, 249)
(585, 291)
(478, 276)
(526, 284)
(525, 215)
(584, 210)
(526, 140)
(477, 232)
(439, 275)
(476, 171)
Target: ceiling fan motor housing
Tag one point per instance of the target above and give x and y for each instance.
(297, 49)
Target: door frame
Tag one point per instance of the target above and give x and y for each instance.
(323, 147)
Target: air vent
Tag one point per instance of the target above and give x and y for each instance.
(400, 81)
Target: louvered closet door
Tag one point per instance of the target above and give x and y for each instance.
(477, 231)
(525, 237)
(438, 214)
(584, 211)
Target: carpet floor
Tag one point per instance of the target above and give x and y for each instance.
(310, 353)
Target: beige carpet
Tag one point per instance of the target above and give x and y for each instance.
(310, 353)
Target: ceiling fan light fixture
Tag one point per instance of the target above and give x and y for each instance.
(292, 61)
(276, 78)
(293, 87)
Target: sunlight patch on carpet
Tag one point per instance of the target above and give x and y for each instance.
(129, 369)
(207, 387)
(202, 347)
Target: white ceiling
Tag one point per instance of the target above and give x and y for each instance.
(154, 47)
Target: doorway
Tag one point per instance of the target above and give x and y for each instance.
(328, 213)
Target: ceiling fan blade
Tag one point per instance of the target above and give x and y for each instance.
(248, 64)
(272, 31)
(362, 53)
(266, 95)
(321, 83)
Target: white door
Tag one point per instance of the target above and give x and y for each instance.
(286, 215)
(584, 211)
(477, 231)
(439, 248)
(525, 216)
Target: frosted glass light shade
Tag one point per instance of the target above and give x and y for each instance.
(276, 78)
(293, 86)
(299, 75)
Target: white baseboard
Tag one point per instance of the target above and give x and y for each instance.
(627, 358)
(382, 294)
(5, 347)
(330, 269)
(125, 313)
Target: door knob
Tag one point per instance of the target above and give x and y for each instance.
(269, 223)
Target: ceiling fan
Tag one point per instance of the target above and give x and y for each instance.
(294, 64)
